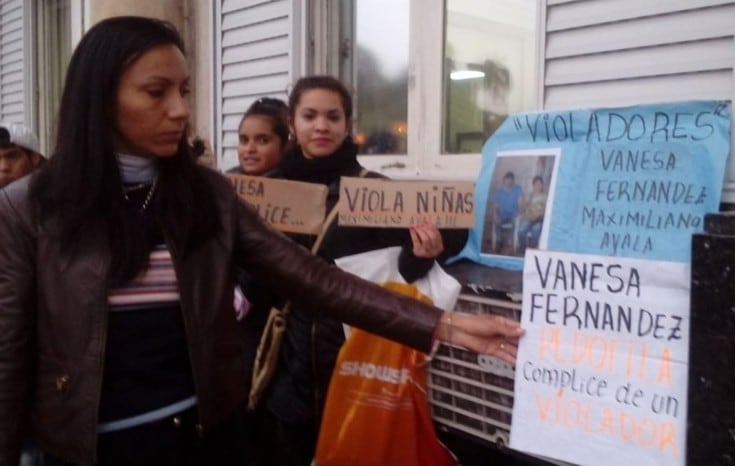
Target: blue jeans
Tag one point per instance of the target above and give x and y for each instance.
(504, 229)
(529, 234)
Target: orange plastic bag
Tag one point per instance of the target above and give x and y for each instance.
(376, 412)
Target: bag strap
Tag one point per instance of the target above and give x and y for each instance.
(325, 226)
(266, 358)
(330, 218)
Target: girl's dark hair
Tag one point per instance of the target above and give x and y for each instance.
(276, 111)
(320, 82)
(81, 187)
(537, 178)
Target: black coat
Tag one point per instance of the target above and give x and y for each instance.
(313, 340)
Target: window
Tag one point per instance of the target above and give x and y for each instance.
(381, 76)
(489, 68)
(434, 78)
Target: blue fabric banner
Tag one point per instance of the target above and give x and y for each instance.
(630, 182)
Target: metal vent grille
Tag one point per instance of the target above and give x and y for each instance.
(473, 393)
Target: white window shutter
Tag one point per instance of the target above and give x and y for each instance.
(14, 100)
(625, 52)
(256, 55)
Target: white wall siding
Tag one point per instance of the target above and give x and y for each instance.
(13, 102)
(254, 58)
(624, 52)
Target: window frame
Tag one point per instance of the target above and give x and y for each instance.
(43, 115)
(424, 158)
(30, 96)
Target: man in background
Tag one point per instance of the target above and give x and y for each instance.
(19, 152)
(506, 206)
(19, 156)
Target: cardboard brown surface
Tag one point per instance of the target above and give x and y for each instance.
(381, 203)
(289, 206)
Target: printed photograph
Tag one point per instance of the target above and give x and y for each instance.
(519, 202)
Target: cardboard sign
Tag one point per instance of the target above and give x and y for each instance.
(289, 206)
(601, 375)
(382, 203)
(630, 182)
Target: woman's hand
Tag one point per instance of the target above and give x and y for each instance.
(486, 334)
(427, 240)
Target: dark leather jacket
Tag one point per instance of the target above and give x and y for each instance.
(53, 317)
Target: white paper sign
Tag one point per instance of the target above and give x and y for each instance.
(601, 377)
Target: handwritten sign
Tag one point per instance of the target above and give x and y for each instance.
(601, 377)
(631, 182)
(289, 206)
(385, 203)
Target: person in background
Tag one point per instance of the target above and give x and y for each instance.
(533, 208)
(262, 137)
(20, 152)
(506, 204)
(262, 140)
(19, 156)
(117, 341)
(320, 117)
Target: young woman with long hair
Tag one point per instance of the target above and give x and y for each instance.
(320, 118)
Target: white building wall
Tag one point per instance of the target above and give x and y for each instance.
(623, 52)
(256, 51)
(14, 62)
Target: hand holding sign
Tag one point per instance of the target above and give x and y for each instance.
(427, 240)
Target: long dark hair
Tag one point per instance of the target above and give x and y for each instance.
(81, 185)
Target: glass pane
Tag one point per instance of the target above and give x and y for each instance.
(381, 70)
(489, 68)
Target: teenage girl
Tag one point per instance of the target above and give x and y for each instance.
(262, 137)
(320, 119)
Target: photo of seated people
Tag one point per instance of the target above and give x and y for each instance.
(516, 204)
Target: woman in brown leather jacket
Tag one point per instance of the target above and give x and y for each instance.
(118, 344)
